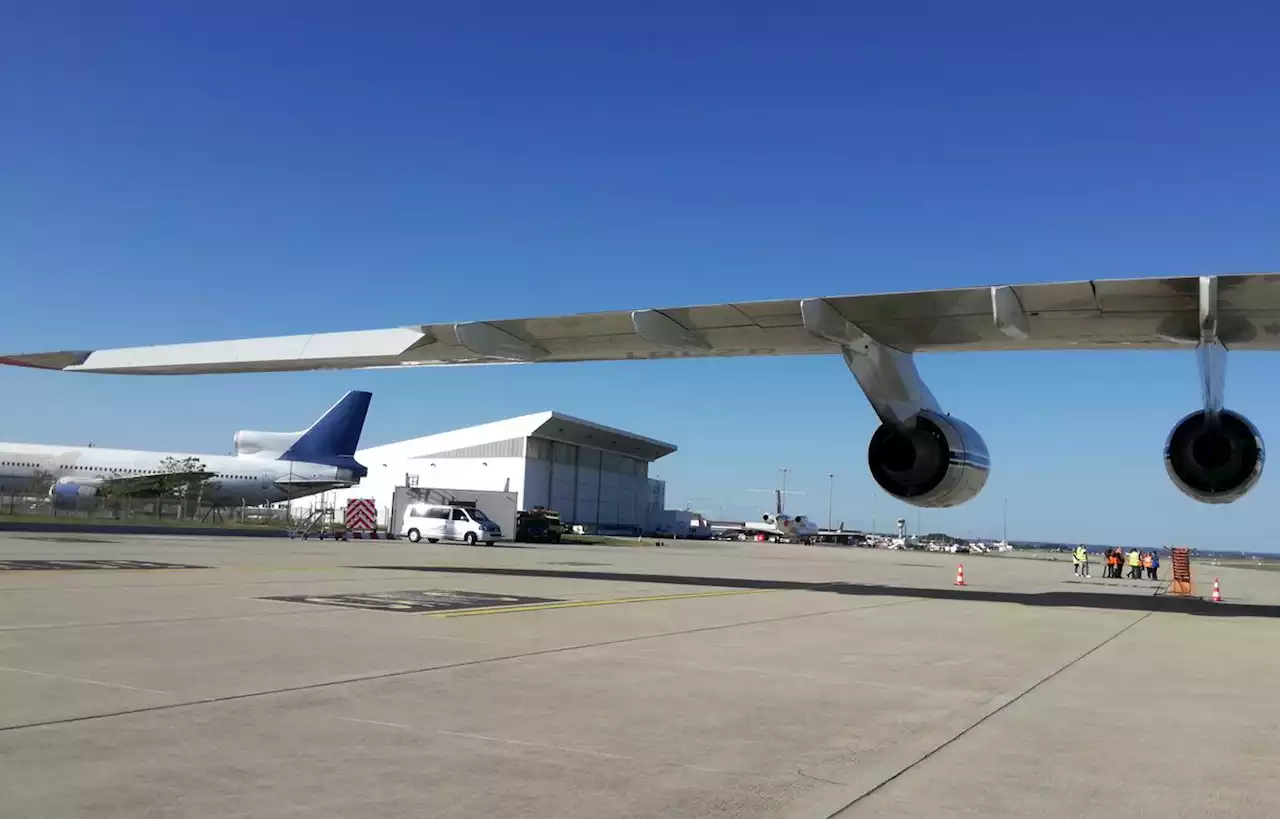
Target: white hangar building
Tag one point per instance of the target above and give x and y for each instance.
(591, 474)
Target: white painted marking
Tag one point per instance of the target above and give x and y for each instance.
(376, 722)
(88, 682)
(543, 745)
(535, 745)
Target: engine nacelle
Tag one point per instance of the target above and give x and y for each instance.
(941, 462)
(1214, 462)
(67, 493)
(266, 444)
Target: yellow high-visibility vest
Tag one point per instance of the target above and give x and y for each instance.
(1134, 559)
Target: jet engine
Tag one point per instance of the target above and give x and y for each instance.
(940, 462)
(67, 493)
(1214, 460)
(265, 444)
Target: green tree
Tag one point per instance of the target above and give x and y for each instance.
(185, 479)
(41, 482)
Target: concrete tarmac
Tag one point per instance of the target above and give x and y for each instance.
(385, 679)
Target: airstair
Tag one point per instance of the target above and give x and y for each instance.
(320, 522)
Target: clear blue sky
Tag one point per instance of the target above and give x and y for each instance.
(194, 171)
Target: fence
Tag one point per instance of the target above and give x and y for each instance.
(20, 506)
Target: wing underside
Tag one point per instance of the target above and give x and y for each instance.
(142, 485)
(1153, 313)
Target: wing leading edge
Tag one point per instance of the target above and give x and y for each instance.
(1152, 313)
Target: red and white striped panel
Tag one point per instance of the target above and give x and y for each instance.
(362, 515)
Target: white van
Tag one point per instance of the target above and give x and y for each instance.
(437, 522)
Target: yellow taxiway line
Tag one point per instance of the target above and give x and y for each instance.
(575, 604)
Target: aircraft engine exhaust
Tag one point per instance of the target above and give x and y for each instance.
(941, 462)
(1214, 460)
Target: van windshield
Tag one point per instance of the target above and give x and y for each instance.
(477, 515)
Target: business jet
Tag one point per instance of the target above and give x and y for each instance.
(268, 467)
(781, 526)
(919, 454)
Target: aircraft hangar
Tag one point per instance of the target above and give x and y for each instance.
(593, 475)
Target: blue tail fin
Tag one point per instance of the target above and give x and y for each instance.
(333, 439)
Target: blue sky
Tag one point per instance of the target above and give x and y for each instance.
(183, 172)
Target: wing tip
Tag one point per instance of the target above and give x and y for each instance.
(47, 361)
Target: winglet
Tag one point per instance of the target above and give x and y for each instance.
(333, 439)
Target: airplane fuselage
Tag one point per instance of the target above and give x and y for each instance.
(236, 479)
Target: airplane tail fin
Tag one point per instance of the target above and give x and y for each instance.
(333, 439)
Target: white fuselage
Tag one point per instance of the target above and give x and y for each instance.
(777, 526)
(783, 526)
(236, 479)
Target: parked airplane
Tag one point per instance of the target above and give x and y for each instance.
(781, 525)
(919, 454)
(268, 467)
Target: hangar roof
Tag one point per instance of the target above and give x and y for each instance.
(554, 426)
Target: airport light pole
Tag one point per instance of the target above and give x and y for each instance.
(1006, 520)
(831, 488)
(782, 504)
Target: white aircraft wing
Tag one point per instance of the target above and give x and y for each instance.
(1105, 314)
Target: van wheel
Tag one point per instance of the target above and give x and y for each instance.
(470, 538)
(415, 535)
(433, 540)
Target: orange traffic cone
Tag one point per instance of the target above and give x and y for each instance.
(1217, 591)
(960, 574)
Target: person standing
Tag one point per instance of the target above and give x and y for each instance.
(1082, 561)
(1135, 565)
(1154, 571)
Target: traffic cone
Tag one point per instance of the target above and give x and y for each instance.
(1217, 591)
(960, 574)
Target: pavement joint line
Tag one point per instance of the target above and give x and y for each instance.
(447, 667)
(844, 811)
(574, 604)
(165, 621)
(109, 586)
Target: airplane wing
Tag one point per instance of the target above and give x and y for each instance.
(149, 485)
(1150, 313)
(309, 483)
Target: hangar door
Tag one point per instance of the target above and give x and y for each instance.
(586, 485)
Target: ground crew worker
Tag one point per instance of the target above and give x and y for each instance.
(1135, 565)
(1113, 563)
(1146, 564)
(1081, 559)
(1153, 571)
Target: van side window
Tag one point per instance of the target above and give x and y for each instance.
(458, 514)
(442, 514)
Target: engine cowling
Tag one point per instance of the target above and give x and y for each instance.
(253, 442)
(68, 493)
(1214, 461)
(941, 462)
